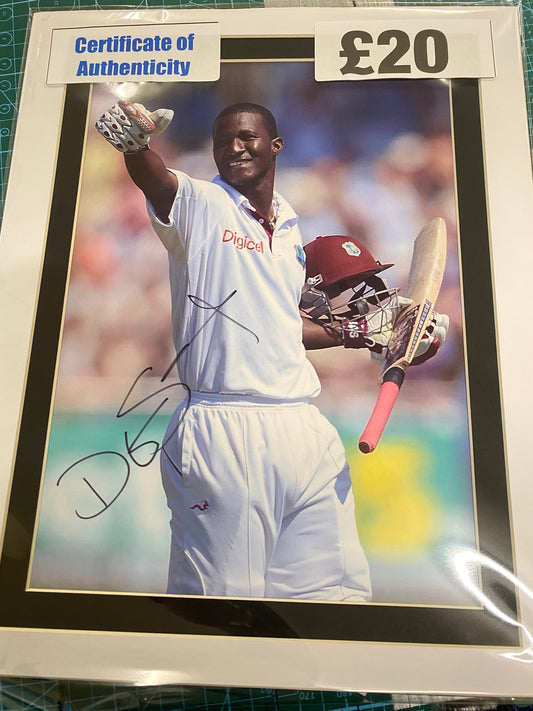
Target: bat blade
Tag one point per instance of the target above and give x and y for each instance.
(425, 279)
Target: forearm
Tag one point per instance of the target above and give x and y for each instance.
(317, 335)
(151, 175)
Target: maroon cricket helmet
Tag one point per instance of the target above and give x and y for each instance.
(336, 262)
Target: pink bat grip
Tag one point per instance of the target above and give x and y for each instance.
(380, 414)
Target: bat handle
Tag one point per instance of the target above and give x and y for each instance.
(388, 392)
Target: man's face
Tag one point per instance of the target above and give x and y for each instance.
(244, 152)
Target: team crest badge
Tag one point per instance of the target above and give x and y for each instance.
(351, 249)
(300, 255)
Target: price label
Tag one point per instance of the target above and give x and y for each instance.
(403, 49)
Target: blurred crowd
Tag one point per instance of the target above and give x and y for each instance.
(372, 160)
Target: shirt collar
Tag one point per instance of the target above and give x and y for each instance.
(285, 212)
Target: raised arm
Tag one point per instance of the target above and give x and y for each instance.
(151, 175)
(128, 128)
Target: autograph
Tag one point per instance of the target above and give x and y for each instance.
(138, 451)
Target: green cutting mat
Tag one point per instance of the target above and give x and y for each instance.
(50, 695)
(72, 696)
(45, 695)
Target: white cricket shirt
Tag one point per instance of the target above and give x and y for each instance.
(236, 322)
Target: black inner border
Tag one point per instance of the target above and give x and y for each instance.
(258, 618)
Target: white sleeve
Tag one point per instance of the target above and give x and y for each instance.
(186, 216)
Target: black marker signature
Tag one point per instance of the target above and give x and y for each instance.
(137, 451)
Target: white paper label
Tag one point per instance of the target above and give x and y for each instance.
(408, 48)
(135, 53)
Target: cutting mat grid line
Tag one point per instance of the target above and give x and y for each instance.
(50, 695)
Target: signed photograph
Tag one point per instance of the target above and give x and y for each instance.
(259, 390)
(361, 170)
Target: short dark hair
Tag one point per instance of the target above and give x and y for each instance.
(245, 107)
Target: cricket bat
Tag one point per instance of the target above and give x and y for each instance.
(425, 279)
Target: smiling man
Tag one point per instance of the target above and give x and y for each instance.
(256, 478)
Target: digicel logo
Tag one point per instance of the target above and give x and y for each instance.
(242, 242)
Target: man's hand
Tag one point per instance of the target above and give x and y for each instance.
(373, 330)
(358, 334)
(434, 336)
(128, 127)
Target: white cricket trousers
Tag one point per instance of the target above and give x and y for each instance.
(261, 502)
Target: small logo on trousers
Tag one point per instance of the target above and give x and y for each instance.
(202, 506)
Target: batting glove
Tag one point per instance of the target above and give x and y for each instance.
(434, 336)
(128, 127)
(373, 330)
